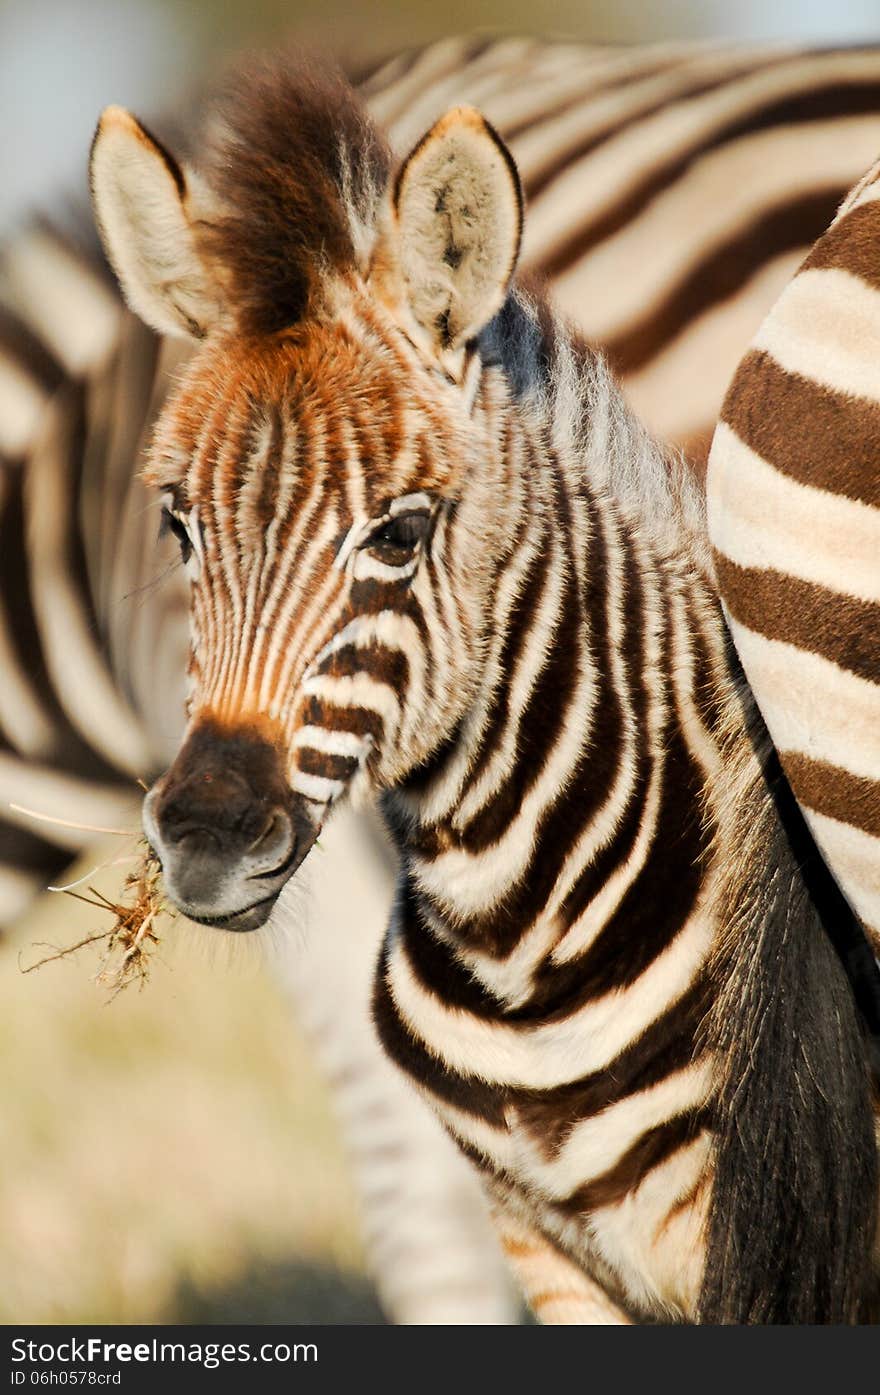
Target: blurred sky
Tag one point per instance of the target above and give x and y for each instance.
(62, 60)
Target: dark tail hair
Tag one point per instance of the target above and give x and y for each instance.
(792, 1226)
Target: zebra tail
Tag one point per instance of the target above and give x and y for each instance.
(793, 1221)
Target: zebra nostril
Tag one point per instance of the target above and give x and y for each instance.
(192, 840)
(274, 844)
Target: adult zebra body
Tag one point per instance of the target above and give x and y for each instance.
(93, 662)
(432, 554)
(795, 457)
(586, 125)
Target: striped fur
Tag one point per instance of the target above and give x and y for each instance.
(794, 463)
(465, 579)
(81, 713)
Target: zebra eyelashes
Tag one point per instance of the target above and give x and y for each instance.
(173, 523)
(187, 529)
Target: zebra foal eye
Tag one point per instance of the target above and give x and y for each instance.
(397, 538)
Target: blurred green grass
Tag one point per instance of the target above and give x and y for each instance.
(168, 1155)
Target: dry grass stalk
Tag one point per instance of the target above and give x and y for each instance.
(132, 938)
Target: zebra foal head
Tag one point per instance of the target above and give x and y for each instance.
(338, 500)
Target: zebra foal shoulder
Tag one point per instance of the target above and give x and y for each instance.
(434, 558)
(794, 514)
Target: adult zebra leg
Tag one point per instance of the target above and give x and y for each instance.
(430, 1242)
(557, 1291)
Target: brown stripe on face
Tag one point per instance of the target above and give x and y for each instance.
(334, 446)
(810, 433)
(388, 666)
(839, 628)
(836, 793)
(721, 273)
(852, 245)
(264, 510)
(375, 441)
(240, 436)
(318, 712)
(656, 1146)
(328, 767)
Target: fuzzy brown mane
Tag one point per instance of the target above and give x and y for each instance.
(295, 165)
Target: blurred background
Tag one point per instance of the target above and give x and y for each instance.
(62, 60)
(172, 1155)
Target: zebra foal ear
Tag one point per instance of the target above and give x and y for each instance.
(457, 214)
(143, 206)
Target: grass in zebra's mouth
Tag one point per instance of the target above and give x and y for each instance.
(133, 938)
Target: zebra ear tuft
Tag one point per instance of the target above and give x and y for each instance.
(457, 216)
(143, 206)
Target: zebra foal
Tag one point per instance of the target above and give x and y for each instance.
(434, 558)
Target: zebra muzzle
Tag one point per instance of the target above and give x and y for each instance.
(226, 827)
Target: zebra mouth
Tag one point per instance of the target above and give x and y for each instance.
(255, 915)
(250, 918)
